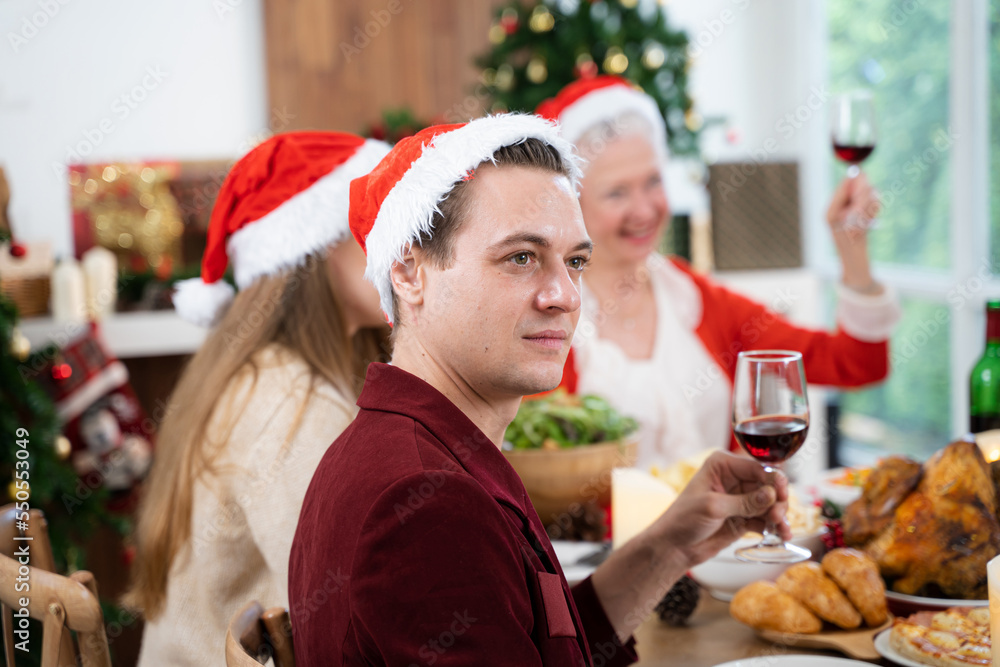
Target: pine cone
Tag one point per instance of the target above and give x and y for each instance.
(680, 602)
(589, 524)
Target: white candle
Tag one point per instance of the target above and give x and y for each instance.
(637, 500)
(993, 575)
(100, 269)
(69, 301)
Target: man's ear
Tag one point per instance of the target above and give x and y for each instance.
(408, 279)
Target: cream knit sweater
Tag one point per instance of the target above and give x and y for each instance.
(244, 518)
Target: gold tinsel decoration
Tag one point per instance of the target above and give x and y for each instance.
(615, 61)
(131, 211)
(63, 447)
(497, 34)
(505, 77)
(693, 120)
(12, 489)
(537, 71)
(541, 19)
(653, 57)
(20, 346)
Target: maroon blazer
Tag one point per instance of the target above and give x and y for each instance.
(417, 545)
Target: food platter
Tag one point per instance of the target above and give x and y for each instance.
(795, 661)
(854, 643)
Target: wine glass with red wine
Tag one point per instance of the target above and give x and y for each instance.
(853, 129)
(771, 420)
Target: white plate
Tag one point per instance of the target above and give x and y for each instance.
(795, 661)
(886, 650)
(569, 553)
(842, 494)
(904, 605)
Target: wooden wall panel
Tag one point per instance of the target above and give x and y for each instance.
(327, 72)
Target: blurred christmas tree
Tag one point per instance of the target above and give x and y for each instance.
(540, 46)
(73, 508)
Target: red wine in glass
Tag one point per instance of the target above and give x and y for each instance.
(770, 420)
(852, 154)
(772, 438)
(852, 128)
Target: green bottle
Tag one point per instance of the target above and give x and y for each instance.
(984, 382)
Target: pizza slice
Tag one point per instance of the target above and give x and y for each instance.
(957, 637)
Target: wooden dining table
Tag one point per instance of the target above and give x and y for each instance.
(711, 637)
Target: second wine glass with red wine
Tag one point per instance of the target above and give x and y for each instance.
(771, 420)
(852, 128)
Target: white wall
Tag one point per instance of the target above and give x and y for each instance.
(759, 65)
(119, 80)
(65, 66)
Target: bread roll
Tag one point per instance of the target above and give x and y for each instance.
(858, 575)
(762, 606)
(806, 583)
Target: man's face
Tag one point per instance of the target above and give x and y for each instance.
(502, 316)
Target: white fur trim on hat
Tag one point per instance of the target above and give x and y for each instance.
(305, 223)
(605, 105)
(202, 303)
(408, 209)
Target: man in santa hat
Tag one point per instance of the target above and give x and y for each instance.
(417, 543)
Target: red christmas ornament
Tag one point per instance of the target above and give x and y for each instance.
(509, 24)
(18, 250)
(62, 372)
(128, 555)
(586, 70)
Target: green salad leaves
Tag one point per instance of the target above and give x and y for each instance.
(561, 420)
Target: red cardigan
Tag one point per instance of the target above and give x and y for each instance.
(732, 323)
(417, 544)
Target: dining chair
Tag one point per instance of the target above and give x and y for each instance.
(254, 635)
(41, 557)
(61, 604)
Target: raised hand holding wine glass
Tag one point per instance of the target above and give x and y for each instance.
(852, 129)
(771, 420)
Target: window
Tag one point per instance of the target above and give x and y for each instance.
(927, 64)
(903, 59)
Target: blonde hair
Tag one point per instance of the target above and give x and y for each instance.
(298, 309)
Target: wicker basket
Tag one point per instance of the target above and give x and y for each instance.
(30, 295)
(556, 479)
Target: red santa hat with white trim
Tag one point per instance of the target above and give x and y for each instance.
(283, 201)
(586, 103)
(393, 205)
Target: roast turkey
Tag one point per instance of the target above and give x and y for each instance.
(932, 528)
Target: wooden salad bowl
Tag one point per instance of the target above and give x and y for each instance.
(561, 480)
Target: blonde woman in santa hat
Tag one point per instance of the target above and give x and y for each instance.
(661, 342)
(269, 390)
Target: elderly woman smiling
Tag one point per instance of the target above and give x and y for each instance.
(651, 328)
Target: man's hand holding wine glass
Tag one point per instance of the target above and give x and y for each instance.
(729, 496)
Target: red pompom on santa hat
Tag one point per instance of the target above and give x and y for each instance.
(586, 103)
(283, 201)
(394, 204)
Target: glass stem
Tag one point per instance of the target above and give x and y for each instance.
(771, 537)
